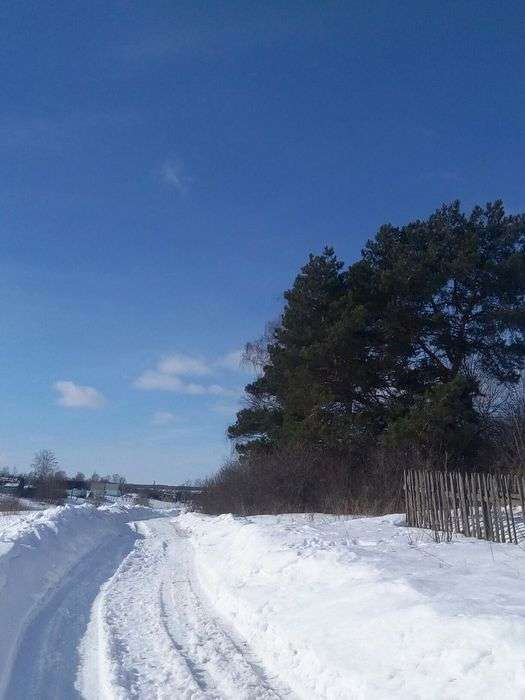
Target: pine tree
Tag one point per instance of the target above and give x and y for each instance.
(389, 346)
(440, 297)
(447, 290)
(292, 385)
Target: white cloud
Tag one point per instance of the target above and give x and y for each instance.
(172, 172)
(172, 373)
(183, 364)
(163, 418)
(73, 395)
(151, 380)
(216, 389)
(232, 361)
(166, 377)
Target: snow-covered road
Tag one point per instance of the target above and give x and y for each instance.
(152, 633)
(127, 602)
(129, 620)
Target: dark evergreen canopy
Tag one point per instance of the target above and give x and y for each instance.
(395, 346)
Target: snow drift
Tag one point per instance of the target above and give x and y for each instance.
(365, 608)
(37, 550)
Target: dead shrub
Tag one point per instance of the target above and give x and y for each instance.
(51, 490)
(305, 478)
(10, 505)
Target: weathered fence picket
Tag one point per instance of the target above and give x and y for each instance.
(475, 504)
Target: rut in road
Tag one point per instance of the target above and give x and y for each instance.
(153, 634)
(47, 658)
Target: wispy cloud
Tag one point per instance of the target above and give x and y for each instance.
(176, 372)
(154, 379)
(183, 365)
(232, 360)
(163, 418)
(73, 395)
(173, 174)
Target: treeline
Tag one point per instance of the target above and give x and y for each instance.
(46, 481)
(411, 356)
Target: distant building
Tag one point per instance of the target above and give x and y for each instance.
(9, 487)
(12, 485)
(76, 488)
(102, 489)
(113, 489)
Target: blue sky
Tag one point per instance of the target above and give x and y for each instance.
(166, 167)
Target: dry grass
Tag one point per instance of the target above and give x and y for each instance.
(302, 479)
(9, 505)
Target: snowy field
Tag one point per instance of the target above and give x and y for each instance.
(134, 602)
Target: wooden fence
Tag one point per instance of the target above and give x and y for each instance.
(487, 506)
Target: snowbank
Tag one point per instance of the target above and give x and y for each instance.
(37, 549)
(365, 608)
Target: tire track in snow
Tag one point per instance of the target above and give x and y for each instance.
(154, 636)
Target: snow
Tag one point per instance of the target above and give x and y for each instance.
(366, 608)
(36, 550)
(159, 636)
(124, 601)
(52, 563)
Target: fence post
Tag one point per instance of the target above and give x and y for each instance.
(408, 497)
(522, 494)
(475, 504)
(464, 512)
(508, 489)
(455, 524)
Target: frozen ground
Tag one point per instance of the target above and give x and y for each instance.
(125, 602)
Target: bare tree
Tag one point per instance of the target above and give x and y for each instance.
(48, 479)
(256, 352)
(44, 465)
